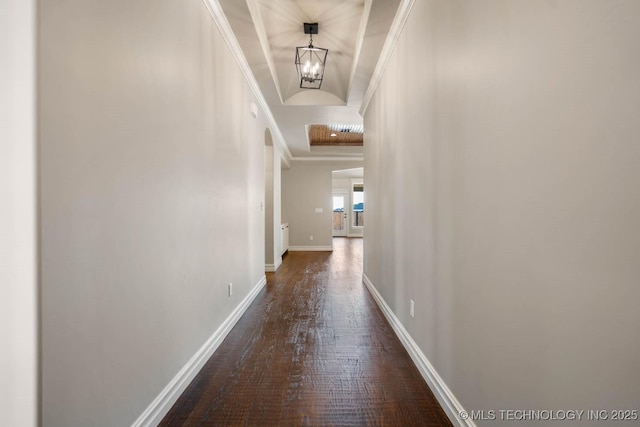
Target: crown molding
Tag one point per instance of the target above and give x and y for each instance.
(217, 13)
(359, 41)
(254, 11)
(387, 50)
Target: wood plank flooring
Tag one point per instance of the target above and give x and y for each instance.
(312, 350)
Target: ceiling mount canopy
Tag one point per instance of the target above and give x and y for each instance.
(310, 61)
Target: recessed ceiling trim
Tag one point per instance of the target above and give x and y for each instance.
(359, 41)
(232, 42)
(395, 31)
(254, 10)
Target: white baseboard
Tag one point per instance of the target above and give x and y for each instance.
(310, 248)
(170, 394)
(271, 268)
(447, 400)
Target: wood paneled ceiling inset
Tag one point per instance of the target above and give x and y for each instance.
(345, 135)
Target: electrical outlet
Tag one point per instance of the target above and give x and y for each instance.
(310, 237)
(230, 289)
(411, 308)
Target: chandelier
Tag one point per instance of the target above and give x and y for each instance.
(310, 61)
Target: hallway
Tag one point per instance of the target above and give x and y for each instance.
(313, 349)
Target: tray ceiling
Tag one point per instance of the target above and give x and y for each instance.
(354, 31)
(280, 29)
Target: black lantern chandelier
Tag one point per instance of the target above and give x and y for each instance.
(310, 61)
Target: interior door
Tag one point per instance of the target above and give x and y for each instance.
(340, 213)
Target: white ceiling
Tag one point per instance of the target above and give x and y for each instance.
(354, 31)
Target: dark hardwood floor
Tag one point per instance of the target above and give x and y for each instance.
(312, 350)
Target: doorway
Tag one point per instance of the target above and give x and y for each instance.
(340, 214)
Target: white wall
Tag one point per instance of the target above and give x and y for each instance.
(501, 159)
(269, 232)
(307, 185)
(341, 185)
(272, 205)
(152, 177)
(277, 205)
(18, 236)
